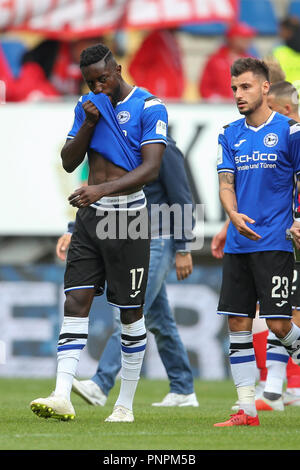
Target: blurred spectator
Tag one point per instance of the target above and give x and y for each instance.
(60, 62)
(288, 52)
(276, 73)
(157, 65)
(48, 71)
(215, 81)
(30, 84)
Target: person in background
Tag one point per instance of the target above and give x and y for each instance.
(215, 81)
(275, 71)
(288, 52)
(157, 65)
(31, 84)
(48, 71)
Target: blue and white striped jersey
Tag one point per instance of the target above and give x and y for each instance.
(139, 119)
(264, 161)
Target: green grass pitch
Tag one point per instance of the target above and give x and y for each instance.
(153, 429)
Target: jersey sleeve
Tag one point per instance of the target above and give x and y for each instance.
(294, 146)
(225, 162)
(154, 122)
(79, 117)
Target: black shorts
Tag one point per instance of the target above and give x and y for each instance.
(296, 287)
(118, 261)
(264, 277)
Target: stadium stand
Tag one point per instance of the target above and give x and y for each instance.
(13, 50)
(294, 8)
(261, 15)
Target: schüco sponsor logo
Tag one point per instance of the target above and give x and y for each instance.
(256, 157)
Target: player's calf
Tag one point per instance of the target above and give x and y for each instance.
(289, 335)
(133, 345)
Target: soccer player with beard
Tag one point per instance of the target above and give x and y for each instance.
(123, 129)
(274, 364)
(282, 98)
(258, 158)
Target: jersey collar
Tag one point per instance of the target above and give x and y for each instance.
(256, 129)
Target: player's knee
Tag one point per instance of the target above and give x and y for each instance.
(237, 323)
(280, 327)
(76, 305)
(130, 315)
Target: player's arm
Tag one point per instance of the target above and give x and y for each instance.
(229, 202)
(218, 241)
(64, 241)
(153, 142)
(62, 246)
(74, 150)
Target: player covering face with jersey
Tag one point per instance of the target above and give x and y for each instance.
(257, 160)
(104, 78)
(123, 131)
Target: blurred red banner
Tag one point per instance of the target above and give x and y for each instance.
(79, 18)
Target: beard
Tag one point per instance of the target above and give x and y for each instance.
(253, 107)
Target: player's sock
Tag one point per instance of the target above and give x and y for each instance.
(292, 342)
(260, 347)
(293, 376)
(277, 359)
(133, 344)
(243, 369)
(72, 339)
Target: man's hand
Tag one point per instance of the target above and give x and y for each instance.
(62, 246)
(295, 231)
(239, 221)
(86, 195)
(218, 242)
(184, 265)
(91, 112)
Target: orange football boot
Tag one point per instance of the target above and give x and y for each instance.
(240, 419)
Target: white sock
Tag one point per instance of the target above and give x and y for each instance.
(133, 344)
(243, 369)
(290, 340)
(294, 391)
(72, 339)
(277, 359)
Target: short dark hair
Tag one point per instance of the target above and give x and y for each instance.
(94, 54)
(250, 64)
(285, 90)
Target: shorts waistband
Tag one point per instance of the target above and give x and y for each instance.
(132, 201)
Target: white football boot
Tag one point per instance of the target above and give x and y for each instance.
(120, 414)
(89, 391)
(263, 404)
(54, 406)
(178, 399)
(291, 399)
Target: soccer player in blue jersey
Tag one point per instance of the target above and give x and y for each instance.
(258, 158)
(123, 129)
(168, 244)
